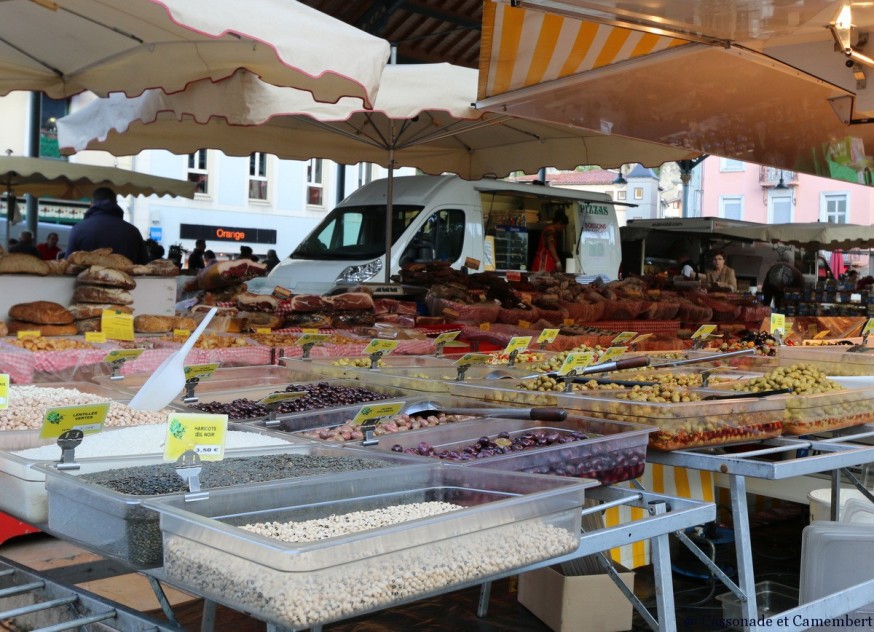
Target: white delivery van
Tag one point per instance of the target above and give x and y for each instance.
(483, 225)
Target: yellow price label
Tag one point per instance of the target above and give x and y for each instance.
(95, 336)
(117, 326)
(623, 338)
(263, 330)
(378, 345)
(446, 336)
(485, 326)
(200, 433)
(569, 321)
(4, 391)
(200, 371)
(524, 324)
(470, 359)
(517, 343)
(778, 323)
(371, 413)
(181, 333)
(29, 333)
(822, 334)
(281, 396)
(869, 326)
(704, 331)
(122, 355)
(88, 418)
(609, 353)
(547, 335)
(282, 293)
(574, 361)
(309, 330)
(641, 338)
(311, 339)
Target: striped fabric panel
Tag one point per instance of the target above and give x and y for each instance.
(661, 479)
(523, 48)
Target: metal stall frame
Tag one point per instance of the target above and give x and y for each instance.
(665, 515)
(834, 454)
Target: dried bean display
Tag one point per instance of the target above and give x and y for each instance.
(390, 425)
(320, 395)
(302, 599)
(92, 518)
(816, 403)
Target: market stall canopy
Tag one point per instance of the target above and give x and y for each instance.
(60, 179)
(63, 47)
(422, 118)
(755, 81)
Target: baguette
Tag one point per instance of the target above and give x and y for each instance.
(41, 313)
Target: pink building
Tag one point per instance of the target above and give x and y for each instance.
(742, 190)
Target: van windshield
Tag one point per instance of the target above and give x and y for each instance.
(355, 232)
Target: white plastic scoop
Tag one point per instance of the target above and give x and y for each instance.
(168, 380)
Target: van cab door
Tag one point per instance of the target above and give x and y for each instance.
(599, 250)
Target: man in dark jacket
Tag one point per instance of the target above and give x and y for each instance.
(104, 227)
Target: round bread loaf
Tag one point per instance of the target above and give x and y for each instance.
(153, 324)
(41, 313)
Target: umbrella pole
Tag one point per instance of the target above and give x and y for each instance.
(389, 213)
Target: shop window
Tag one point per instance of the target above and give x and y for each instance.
(258, 176)
(834, 208)
(729, 164)
(780, 207)
(198, 171)
(315, 182)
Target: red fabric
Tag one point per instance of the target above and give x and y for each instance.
(543, 261)
(48, 253)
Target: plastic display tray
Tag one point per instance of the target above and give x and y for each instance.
(507, 520)
(612, 451)
(117, 525)
(828, 411)
(22, 486)
(830, 360)
(350, 366)
(424, 379)
(680, 425)
(221, 379)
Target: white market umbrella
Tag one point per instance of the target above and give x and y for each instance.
(63, 47)
(422, 118)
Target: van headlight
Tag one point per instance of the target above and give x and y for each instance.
(359, 274)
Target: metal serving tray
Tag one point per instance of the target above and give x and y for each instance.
(507, 520)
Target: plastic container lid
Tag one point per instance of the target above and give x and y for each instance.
(835, 556)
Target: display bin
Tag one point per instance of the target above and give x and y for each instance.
(680, 425)
(221, 379)
(771, 599)
(507, 520)
(425, 379)
(118, 525)
(607, 451)
(829, 360)
(22, 486)
(748, 363)
(351, 366)
(828, 411)
(255, 394)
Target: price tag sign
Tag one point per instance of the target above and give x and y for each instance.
(4, 391)
(88, 418)
(610, 353)
(471, 263)
(470, 359)
(200, 371)
(122, 355)
(514, 275)
(29, 333)
(704, 331)
(263, 330)
(485, 326)
(524, 324)
(377, 345)
(309, 330)
(203, 434)
(282, 293)
(281, 396)
(181, 333)
(569, 321)
(95, 336)
(311, 339)
(778, 323)
(372, 413)
(624, 338)
(574, 361)
(546, 336)
(517, 343)
(869, 327)
(641, 338)
(117, 326)
(446, 336)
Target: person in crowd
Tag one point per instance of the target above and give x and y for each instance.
(25, 245)
(195, 259)
(780, 278)
(209, 258)
(49, 250)
(246, 253)
(687, 266)
(852, 279)
(271, 260)
(547, 259)
(721, 275)
(104, 227)
(154, 250)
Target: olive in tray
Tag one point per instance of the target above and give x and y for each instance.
(609, 452)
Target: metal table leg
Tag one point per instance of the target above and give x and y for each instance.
(162, 599)
(485, 592)
(661, 559)
(743, 545)
(207, 621)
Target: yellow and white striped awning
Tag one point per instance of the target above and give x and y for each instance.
(522, 48)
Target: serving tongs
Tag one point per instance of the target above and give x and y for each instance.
(742, 395)
(547, 413)
(862, 347)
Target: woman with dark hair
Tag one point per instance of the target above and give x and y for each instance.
(721, 275)
(547, 258)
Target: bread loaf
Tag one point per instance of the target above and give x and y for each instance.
(41, 312)
(57, 266)
(18, 263)
(101, 257)
(46, 330)
(100, 294)
(88, 324)
(3, 329)
(83, 311)
(101, 275)
(184, 322)
(153, 324)
(254, 320)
